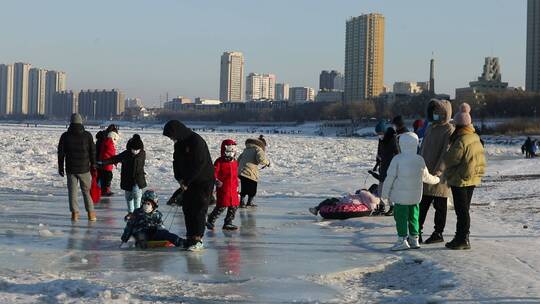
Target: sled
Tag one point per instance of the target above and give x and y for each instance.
(344, 211)
(159, 244)
(95, 189)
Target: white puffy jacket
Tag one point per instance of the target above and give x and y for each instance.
(407, 173)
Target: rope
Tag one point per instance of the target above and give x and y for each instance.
(172, 219)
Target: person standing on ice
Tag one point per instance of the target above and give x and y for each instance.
(194, 171)
(386, 150)
(226, 173)
(106, 151)
(434, 146)
(403, 187)
(465, 165)
(76, 149)
(253, 156)
(132, 176)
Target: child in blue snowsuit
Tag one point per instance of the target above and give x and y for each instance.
(146, 224)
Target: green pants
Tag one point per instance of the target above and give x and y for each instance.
(406, 217)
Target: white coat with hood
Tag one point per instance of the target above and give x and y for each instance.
(407, 173)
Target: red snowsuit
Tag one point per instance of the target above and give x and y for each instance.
(106, 151)
(226, 171)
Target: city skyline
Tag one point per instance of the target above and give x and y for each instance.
(151, 58)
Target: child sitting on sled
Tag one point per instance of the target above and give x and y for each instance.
(146, 224)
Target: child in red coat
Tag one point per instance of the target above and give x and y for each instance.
(106, 151)
(226, 173)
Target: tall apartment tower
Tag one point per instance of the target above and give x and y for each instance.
(282, 91)
(330, 81)
(56, 82)
(36, 91)
(364, 57)
(21, 72)
(532, 77)
(260, 87)
(231, 86)
(6, 89)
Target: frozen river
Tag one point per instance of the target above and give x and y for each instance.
(281, 254)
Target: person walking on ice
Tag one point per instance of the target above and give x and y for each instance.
(226, 169)
(249, 161)
(76, 148)
(403, 186)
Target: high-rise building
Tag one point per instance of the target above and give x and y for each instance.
(331, 81)
(364, 57)
(532, 77)
(301, 94)
(36, 91)
(20, 87)
(282, 91)
(64, 104)
(231, 86)
(134, 103)
(260, 87)
(6, 89)
(56, 82)
(101, 104)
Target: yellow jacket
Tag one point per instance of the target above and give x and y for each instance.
(465, 161)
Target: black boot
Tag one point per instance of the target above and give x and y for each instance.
(459, 244)
(250, 202)
(242, 202)
(436, 237)
(390, 211)
(229, 218)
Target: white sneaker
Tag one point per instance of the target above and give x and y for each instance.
(401, 244)
(199, 246)
(414, 242)
(313, 210)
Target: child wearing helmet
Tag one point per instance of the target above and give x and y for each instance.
(226, 168)
(132, 177)
(146, 224)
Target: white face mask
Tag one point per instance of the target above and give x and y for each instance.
(135, 152)
(436, 117)
(148, 208)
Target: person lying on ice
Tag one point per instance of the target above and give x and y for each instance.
(363, 196)
(146, 224)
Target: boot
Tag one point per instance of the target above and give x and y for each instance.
(212, 217)
(229, 218)
(313, 211)
(459, 244)
(242, 202)
(390, 211)
(250, 202)
(107, 192)
(230, 226)
(435, 237)
(92, 216)
(75, 216)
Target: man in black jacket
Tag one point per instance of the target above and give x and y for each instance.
(194, 171)
(76, 148)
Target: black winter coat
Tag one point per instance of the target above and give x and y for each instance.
(132, 169)
(387, 149)
(142, 222)
(76, 147)
(191, 160)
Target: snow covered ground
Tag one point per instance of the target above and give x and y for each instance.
(281, 253)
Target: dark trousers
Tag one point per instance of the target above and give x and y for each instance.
(105, 179)
(248, 187)
(462, 204)
(440, 205)
(158, 235)
(195, 206)
(229, 218)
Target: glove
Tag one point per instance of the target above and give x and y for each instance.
(219, 183)
(61, 172)
(183, 186)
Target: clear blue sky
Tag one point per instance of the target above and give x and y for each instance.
(147, 48)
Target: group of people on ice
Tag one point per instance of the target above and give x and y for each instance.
(193, 170)
(414, 176)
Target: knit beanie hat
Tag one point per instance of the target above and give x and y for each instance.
(136, 142)
(76, 118)
(463, 116)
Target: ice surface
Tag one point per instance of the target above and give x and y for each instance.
(281, 253)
